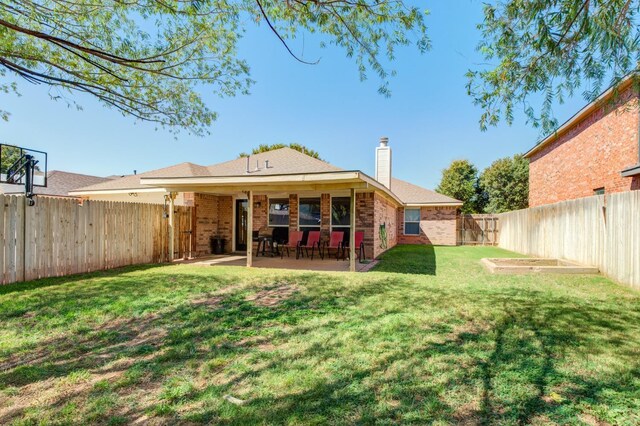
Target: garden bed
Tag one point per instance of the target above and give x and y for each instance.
(535, 266)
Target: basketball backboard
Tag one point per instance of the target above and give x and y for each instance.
(11, 158)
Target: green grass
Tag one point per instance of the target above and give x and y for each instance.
(427, 337)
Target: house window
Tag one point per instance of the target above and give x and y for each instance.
(598, 191)
(341, 216)
(412, 221)
(309, 216)
(279, 212)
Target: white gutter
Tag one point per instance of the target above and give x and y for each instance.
(117, 191)
(447, 204)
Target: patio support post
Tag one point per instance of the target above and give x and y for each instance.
(352, 233)
(172, 197)
(250, 229)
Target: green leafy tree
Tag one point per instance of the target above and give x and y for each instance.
(8, 155)
(265, 148)
(506, 183)
(552, 49)
(460, 181)
(150, 58)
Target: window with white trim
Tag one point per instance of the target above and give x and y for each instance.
(412, 221)
(278, 212)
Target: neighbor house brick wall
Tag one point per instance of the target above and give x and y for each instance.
(437, 227)
(384, 213)
(588, 156)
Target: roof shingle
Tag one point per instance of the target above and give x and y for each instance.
(409, 193)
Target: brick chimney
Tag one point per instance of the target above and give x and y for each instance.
(383, 162)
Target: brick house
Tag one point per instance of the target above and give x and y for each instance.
(286, 190)
(596, 151)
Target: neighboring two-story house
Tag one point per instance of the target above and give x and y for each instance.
(597, 151)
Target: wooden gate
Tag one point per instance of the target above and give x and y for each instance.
(182, 248)
(477, 229)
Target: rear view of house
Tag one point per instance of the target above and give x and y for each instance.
(597, 151)
(284, 190)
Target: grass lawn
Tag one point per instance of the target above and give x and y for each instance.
(428, 337)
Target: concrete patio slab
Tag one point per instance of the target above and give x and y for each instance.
(306, 264)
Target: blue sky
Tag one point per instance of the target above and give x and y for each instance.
(429, 118)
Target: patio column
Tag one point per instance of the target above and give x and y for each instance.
(172, 197)
(249, 229)
(352, 233)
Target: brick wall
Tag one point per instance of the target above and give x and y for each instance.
(225, 221)
(437, 227)
(293, 212)
(260, 212)
(384, 213)
(325, 216)
(205, 224)
(365, 218)
(588, 156)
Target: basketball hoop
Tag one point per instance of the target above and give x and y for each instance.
(22, 166)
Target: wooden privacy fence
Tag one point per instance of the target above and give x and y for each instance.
(477, 229)
(601, 231)
(60, 236)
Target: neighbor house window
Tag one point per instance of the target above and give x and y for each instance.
(279, 212)
(598, 191)
(309, 216)
(412, 221)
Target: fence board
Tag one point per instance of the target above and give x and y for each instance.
(602, 231)
(60, 236)
(477, 229)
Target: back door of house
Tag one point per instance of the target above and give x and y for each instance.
(241, 225)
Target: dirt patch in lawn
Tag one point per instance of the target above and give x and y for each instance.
(67, 368)
(209, 302)
(272, 296)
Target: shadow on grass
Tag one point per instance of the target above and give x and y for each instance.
(408, 259)
(70, 279)
(303, 360)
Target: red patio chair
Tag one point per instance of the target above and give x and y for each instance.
(295, 239)
(313, 241)
(359, 246)
(335, 242)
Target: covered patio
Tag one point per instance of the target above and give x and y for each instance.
(236, 208)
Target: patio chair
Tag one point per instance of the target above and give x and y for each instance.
(295, 239)
(335, 243)
(359, 246)
(313, 242)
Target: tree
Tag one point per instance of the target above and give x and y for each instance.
(460, 181)
(552, 48)
(506, 183)
(149, 58)
(300, 148)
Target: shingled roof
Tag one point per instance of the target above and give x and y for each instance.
(59, 183)
(283, 161)
(409, 193)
